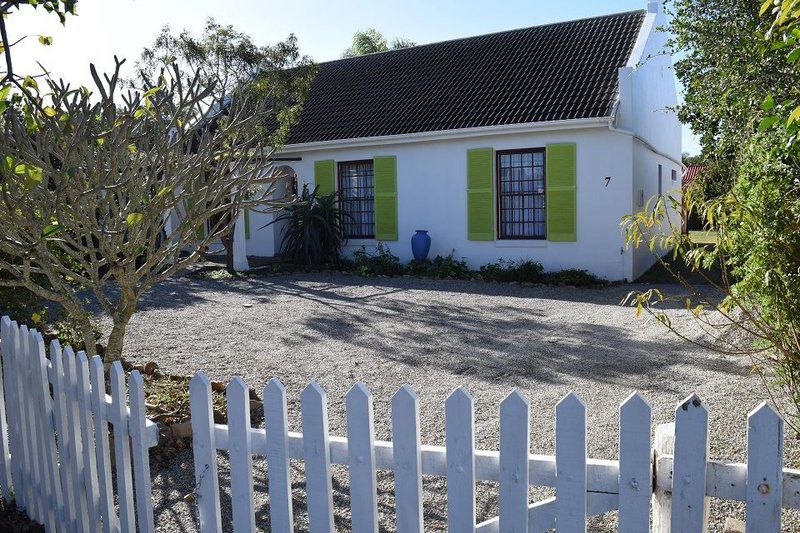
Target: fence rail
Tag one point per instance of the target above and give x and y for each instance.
(56, 456)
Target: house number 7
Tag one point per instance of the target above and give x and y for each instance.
(608, 180)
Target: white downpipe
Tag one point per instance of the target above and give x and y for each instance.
(646, 143)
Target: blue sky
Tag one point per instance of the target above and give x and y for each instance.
(323, 27)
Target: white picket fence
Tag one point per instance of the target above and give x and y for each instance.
(55, 459)
(583, 487)
(55, 456)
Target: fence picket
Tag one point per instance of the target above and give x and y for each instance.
(76, 446)
(43, 493)
(635, 470)
(571, 464)
(205, 454)
(141, 456)
(460, 442)
(50, 459)
(319, 489)
(514, 451)
(361, 451)
(31, 425)
(87, 437)
(407, 449)
(689, 502)
(277, 430)
(5, 454)
(12, 407)
(764, 469)
(238, 396)
(102, 448)
(23, 496)
(64, 436)
(122, 448)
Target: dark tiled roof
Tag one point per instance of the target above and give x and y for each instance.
(559, 71)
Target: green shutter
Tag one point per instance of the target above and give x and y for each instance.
(325, 176)
(480, 198)
(560, 188)
(246, 223)
(385, 180)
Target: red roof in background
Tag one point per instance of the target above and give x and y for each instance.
(691, 173)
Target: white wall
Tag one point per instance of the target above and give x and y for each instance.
(432, 195)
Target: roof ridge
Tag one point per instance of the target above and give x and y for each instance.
(482, 35)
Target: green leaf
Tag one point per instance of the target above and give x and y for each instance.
(794, 55)
(765, 6)
(768, 103)
(46, 40)
(30, 82)
(794, 116)
(5, 91)
(163, 191)
(52, 229)
(768, 122)
(138, 113)
(133, 218)
(50, 112)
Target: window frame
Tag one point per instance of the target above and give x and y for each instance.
(340, 189)
(498, 193)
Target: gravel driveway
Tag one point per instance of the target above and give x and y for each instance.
(435, 335)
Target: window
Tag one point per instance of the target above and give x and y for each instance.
(520, 194)
(357, 194)
(674, 175)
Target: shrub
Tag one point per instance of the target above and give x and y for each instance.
(441, 268)
(573, 276)
(314, 232)
(505, 270)
(380, 263)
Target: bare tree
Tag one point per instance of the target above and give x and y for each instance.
(107, 193)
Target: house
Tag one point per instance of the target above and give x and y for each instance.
(691, 221)
(529, 143)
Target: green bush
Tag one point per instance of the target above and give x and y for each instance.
(380, 263)
(505, 270)
(441, 268)
(573, 276)
(314, 233)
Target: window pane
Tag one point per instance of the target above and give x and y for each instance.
(521, 199)
(356, 189)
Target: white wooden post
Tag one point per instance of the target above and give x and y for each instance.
(36, 509)
(764, 470)
(50, 458)
(5, 454)
(514, 450)
(23, 493)
(407, 449)
(102, 449)
(663, 445)
(361, 459)
(689, 502)
(122, 448)
(316, 450)
(277, 429)
(62, 429)
(141, 455)
(240, 447)
(571, 464)
(12, 406)
(635, 469)
(76, 446)
(460, 441)
(87, 436)
(205, 454)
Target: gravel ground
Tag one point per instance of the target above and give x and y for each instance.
(435, 335)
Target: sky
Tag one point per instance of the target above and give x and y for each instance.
(324, 28)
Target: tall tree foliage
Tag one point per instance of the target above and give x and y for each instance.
(742, 87)
(228, 60)
(371, 41)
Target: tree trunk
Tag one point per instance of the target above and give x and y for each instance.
(89, 340)
(227, 242)
(116, 339)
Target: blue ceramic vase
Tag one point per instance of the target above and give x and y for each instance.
(421, 244)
